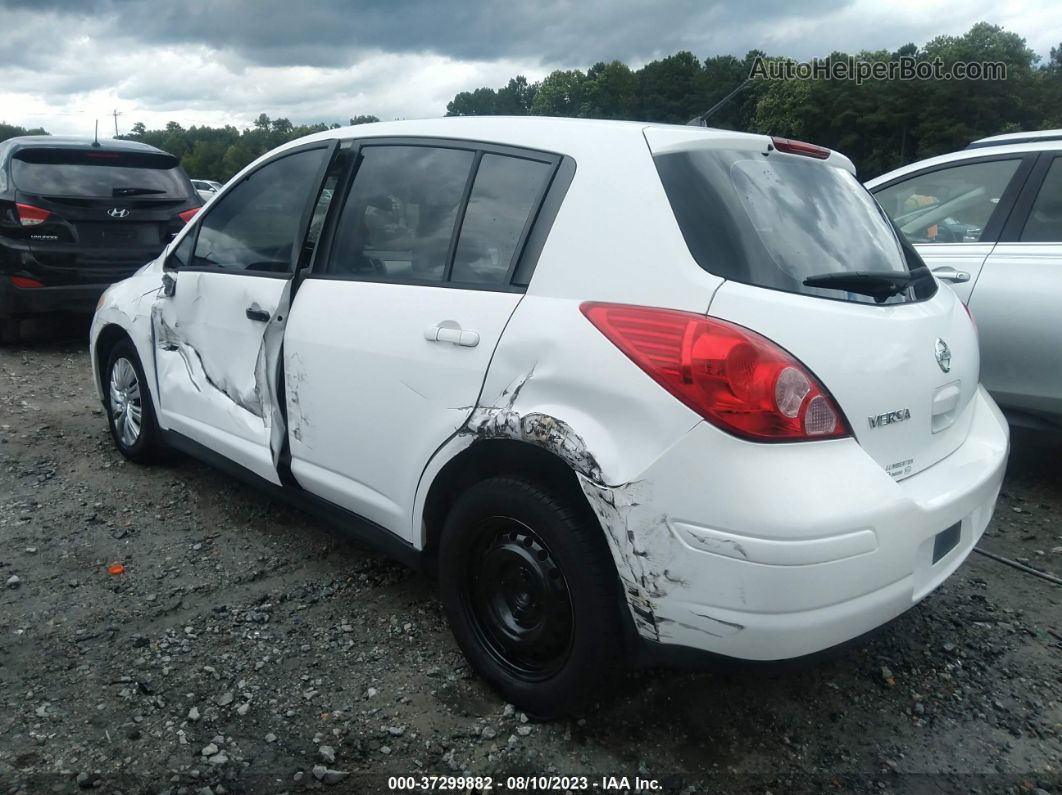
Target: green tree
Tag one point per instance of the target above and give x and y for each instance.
(560, 94)
(481, 102)
(610, 91)
(516, 98)
(14, 130)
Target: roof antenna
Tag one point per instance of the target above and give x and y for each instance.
(96, 138)
(702, 120)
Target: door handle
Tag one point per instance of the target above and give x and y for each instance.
(448, 331)
(949, 274)
(254, 313)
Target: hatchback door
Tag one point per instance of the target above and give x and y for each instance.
(389, 339)
(218, 321)
(93, 216)
(901, 364)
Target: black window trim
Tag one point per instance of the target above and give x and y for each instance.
(529, 246)
(301, 231)
(1001, 213)
(1019, 214)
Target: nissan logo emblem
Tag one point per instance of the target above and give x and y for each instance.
(118, 212)
(943, 353)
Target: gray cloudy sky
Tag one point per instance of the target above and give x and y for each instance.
(63, 64)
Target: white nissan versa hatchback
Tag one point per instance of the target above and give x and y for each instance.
(624, 387)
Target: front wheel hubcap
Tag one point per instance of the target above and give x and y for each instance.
(518, 600)
(126, 403)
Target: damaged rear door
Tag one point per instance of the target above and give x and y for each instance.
(390, 337)
(218, 321)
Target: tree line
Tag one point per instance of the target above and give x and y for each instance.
(880, 124)
(219, 152)
(213, 152)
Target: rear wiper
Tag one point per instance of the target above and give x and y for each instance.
(879, 285)
(134, 191)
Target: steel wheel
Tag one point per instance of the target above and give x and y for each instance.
(126, 403)
(518, 600)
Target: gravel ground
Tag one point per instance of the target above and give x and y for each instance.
(244, 649)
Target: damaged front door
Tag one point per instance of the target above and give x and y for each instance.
(218, 323)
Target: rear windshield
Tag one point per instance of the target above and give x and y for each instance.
(98, 174)
(773, 220)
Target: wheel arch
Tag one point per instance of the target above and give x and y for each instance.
(104, 341)
(485, 458)
(108, 337)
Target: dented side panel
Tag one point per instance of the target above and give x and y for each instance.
(216, 368)
(127, 304)
(556, 383)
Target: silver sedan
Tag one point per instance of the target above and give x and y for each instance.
(988, 221)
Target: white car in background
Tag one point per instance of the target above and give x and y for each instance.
(206, 188)
(988, 220)
(627, 388)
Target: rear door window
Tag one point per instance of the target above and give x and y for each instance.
(504, 195)
(948, 205)
(773, 220)
(1044, 224)
(399, 217)
(91, 174)
(252, 228)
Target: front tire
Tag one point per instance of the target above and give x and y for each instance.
(530, 591)
(130, 413)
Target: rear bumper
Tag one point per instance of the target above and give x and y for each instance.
(75, 276)
(27, 301)
(774, 552)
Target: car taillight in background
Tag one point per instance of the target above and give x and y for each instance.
(188, 215)
(734, 378)
(28, 215)
(25, 281)
(791, 147)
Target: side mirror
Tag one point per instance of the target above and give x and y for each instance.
(169, 285)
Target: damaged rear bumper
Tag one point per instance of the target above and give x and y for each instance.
(775, 552)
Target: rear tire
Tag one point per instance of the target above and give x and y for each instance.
(529, 588)
(130, 413)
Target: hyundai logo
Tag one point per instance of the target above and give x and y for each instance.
(943, 355)
(118, 212)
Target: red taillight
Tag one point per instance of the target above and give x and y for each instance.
(733, 377)
(188, 215)
(789, 146)
(23, 281)
(28, 215)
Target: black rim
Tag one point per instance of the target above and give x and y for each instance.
(517, 600)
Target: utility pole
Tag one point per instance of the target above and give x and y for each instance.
(116, 113)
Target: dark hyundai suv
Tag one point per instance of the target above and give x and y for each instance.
(77, 215)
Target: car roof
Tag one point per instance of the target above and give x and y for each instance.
(538, 132)
(575, 137)
(72, 142)
(1017, 138)
(1045, 144)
